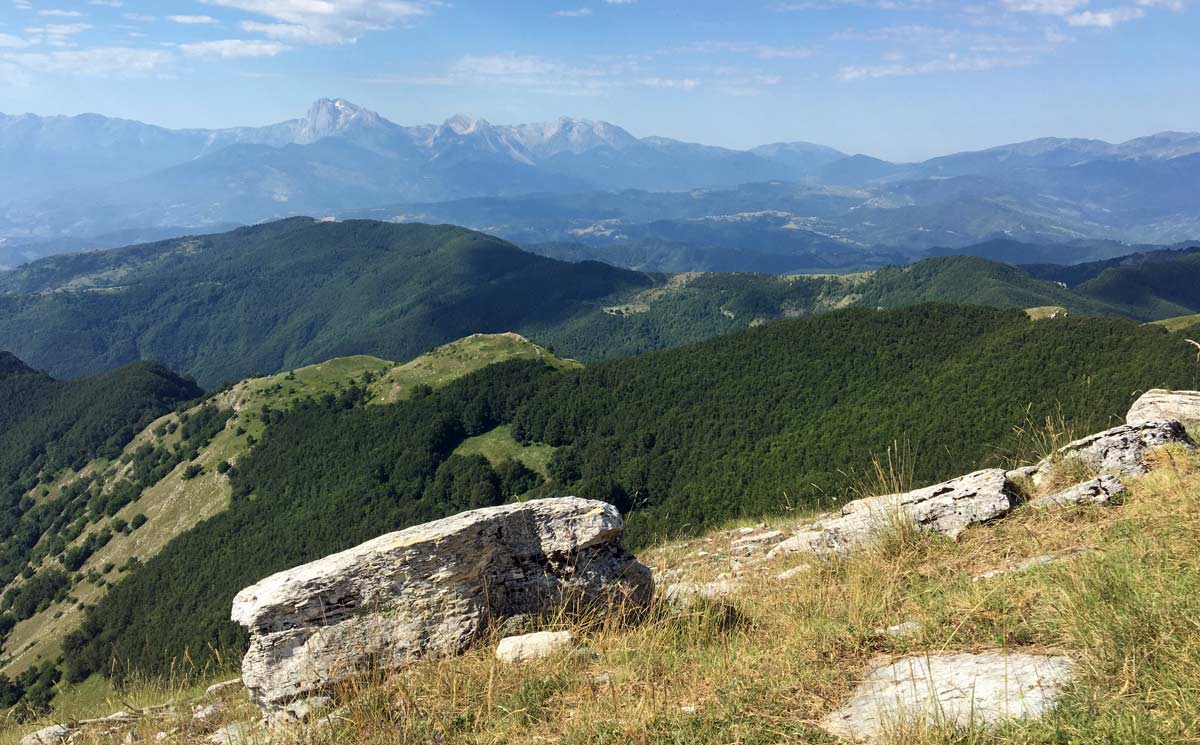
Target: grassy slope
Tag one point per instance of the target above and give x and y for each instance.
(175, 505)
(499, 445)
(782, 654)
(1178, 323)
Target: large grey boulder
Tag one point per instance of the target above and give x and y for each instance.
(1120, 450)
(432, 589)
(948, 508)
(952, 690)
(52, 735)
(1158, 404)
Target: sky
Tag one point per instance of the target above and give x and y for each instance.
(897, 79)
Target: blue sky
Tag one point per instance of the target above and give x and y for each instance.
(900, 79)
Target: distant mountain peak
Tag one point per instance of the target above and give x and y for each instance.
(462, 124)
(330, 117)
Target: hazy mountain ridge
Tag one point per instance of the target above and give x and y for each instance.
(89, 175)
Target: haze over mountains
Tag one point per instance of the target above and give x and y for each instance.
(67, 182)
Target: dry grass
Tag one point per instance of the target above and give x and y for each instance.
(775, 659)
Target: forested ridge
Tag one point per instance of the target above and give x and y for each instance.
(277, 296)
(762, 421)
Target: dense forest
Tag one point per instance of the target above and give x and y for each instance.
(771, 419)
(281, 295)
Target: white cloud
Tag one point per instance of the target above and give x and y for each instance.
(326, 21)
(59, 13)
(8, 40)
(107, 3)
(1045, 7)
(56, 34)
(138, 17)
(1105, 18)
(948, 64)
(234, 48)
(761, 51)
(99, 62)
(577, 13)
(192, 20)
(686, 84)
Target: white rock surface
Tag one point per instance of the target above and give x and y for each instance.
(1120, 450)
(52, 735)
(948, 508)
(755, 542)
(1096, 491)
(1156, 404)
(223, 688)
(533, 646)
(960, 689)
(431, 589)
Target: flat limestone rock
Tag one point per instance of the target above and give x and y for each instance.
(432, 589)
(1157, 404)
(954, 689)
(533, 646)
(1120, 450)
(948, 508)
(1097, 491)
(1031, 562)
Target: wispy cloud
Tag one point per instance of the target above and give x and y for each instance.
(326, 22)
(193, 20)
(234, 48)
(98, 62)
(575, 13)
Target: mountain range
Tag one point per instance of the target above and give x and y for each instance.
(66, 182)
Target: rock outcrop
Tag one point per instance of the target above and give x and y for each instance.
(948, 508)
(952, 689)
(1120, 450)
(432, 589)
(1157, 404)
(1096, 491)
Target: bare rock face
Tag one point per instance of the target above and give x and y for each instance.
(948, 508)
(1157, 404)
(1096, 491)
(431, 589)
(1120, 450)
(55, 733)
(953, 689)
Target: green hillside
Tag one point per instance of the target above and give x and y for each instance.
(770, 420)
(286, 294)
(175, 473)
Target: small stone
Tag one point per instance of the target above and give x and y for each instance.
(223, 688)
(307, 709)
(238, 733)
(794, 572)
(1097, 491)
(533, 646)
(603, 679)
(688, 709)
(52, 735)
(908, 628)
(954, 689)
(1030, 563)
(160, 736)
(205, 712)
